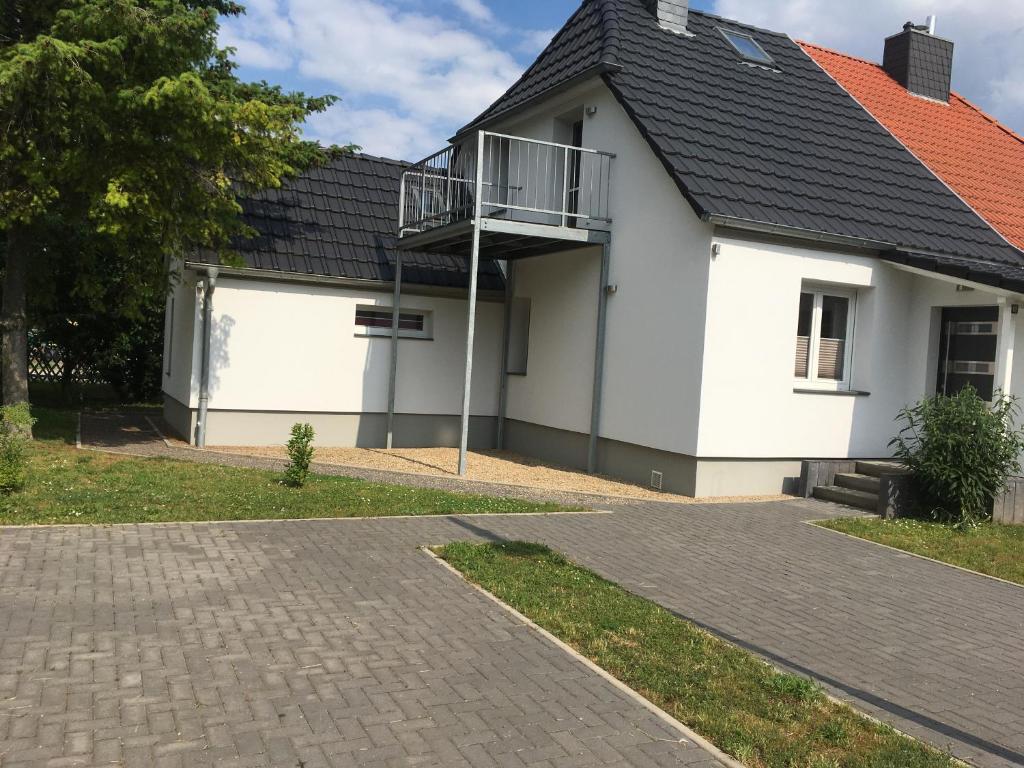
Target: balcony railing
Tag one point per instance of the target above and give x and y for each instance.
(514, 178)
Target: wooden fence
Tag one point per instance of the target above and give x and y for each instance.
(46, 364)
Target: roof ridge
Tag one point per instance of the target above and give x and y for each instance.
(751, 27)
(986, 116)
(609, 30)
(604, 15)
(843, 54)
(566, 27)
(379, 159)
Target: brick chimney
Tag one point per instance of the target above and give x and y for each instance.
(919, 61)
(671, 14)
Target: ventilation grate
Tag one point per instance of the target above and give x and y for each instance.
(656, 479)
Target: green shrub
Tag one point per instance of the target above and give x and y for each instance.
(300, 454)
(15, 433)
(961, 450)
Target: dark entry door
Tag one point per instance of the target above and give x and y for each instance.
(967, 350)
(575, 175)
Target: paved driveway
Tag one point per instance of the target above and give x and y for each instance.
(338, 643)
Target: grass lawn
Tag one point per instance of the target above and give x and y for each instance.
(732, 698)
(996, 550)
(67, 485)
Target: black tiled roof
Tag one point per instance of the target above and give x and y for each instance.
(785, 147)
(340, 220)
(585, 43)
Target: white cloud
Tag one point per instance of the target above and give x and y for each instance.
(475, 9)
(989, 37)
(416, 74)
(378, 131)
(251, 53)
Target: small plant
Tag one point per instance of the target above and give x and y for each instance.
(300, 455)
(15, 433)
(834, 732)
(793, 686)
(961, 451)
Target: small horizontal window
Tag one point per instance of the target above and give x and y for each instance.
(747, 47)
(376, 321)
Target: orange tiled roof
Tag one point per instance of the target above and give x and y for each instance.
(979, 158)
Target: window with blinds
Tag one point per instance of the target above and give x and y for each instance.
(376, 321)
(824, 331)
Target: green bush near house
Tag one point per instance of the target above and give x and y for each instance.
(15, 433)
(961, 451)
(300, 455)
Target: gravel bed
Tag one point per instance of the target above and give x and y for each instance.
(491, 473)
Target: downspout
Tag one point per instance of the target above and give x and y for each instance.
(598, 387)
(204, 375)
(393, 370)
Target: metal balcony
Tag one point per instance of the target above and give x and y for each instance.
(526, 196)
(504, 198)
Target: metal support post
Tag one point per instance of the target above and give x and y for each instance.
(474, 268)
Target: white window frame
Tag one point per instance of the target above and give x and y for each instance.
(385, 331)
(814, 342)
(764, 59)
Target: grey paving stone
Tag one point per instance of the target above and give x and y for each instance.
(364, 645)
(285, 645)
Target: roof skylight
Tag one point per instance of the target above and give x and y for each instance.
(747, 47)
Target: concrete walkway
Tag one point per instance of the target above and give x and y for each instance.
(335, 642)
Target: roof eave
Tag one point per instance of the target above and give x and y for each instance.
(273, 275)
(782, 230)
(962, 273)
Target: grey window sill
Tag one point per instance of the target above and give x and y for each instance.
(388, 337)
(831, 392)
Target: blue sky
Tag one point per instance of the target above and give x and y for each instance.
(410, 72)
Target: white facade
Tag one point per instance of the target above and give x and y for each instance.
(291, 347)
(655, 334)
(753, 407)
(701, 340)
(294, 349)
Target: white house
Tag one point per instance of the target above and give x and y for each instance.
(702, 262)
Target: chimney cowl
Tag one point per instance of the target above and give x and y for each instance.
(919, 61)
(670, 14)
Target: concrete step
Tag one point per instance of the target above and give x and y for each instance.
(847, 496)
(879, 468)
(866, 483)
